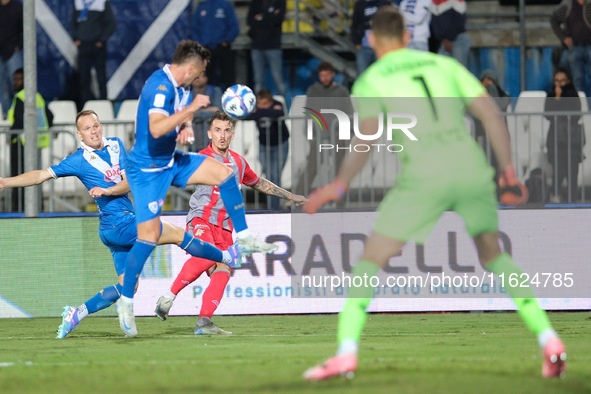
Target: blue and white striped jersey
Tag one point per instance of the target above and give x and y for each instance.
(99, 168)
(160, 94)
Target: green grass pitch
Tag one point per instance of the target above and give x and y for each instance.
(400, 353)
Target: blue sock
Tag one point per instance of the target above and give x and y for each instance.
(136, 258)
(233, 202)
(196, 247)
(104, 298)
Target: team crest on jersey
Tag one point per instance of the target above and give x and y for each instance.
(153, 207)
(93, 157)
(162, 87)
(199, 232)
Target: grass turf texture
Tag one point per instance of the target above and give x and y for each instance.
(401, 353)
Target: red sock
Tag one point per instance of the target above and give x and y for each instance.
(192, 269)
(214, 293)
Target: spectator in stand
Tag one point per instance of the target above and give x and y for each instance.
(215, 26)
(202, 115)
(273, 139)
(326, 85)
(566, 137)
(11, 47)
(264, 19)
(448, 23)
(570, 22)
(362, 13)
(417, 16)
(93, 22)
(325, 94)
(16, 119)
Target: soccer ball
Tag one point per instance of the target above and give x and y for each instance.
(238, 101)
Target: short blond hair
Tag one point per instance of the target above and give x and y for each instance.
(86, 112)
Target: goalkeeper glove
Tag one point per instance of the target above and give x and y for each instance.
(512, 192)
(333, 191)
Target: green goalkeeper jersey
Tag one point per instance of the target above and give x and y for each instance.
(436, 90)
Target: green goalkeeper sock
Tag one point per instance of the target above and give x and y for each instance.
(352, 318)
(535, 318)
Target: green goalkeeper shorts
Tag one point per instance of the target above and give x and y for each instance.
(412, 208)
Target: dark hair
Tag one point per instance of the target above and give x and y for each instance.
(565, 72)
(264, 94)
(388, 22)
(187, 50)
(325, 66)
(19, 71)
(219, 115)
(86, 112)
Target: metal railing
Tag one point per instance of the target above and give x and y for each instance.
(306, 168)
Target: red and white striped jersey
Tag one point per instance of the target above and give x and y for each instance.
(206, 202)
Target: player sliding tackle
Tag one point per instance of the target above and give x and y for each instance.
(165, 111)
(451, 174)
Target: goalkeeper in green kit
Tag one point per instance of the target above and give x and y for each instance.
(443, 169)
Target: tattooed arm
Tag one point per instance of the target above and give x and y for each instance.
(264, 186)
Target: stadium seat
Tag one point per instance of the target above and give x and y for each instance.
(281, 99)
(103, 108)
(286, 175)
(62, 144)
(64, 130)
(64, 111)
(298, 144)
(125, 131)
(528, 128)
(4, 147)
(289, 25)
(469, 123)
(246, 143)
(4, 151)
(3, 122)
(128, 110)
(585, 167)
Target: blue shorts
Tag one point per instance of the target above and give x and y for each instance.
(149, 189)
(119, 239)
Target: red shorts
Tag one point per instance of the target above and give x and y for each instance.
(210, 233)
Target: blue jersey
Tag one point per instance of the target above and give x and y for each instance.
(99, 168)
(160, 94)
